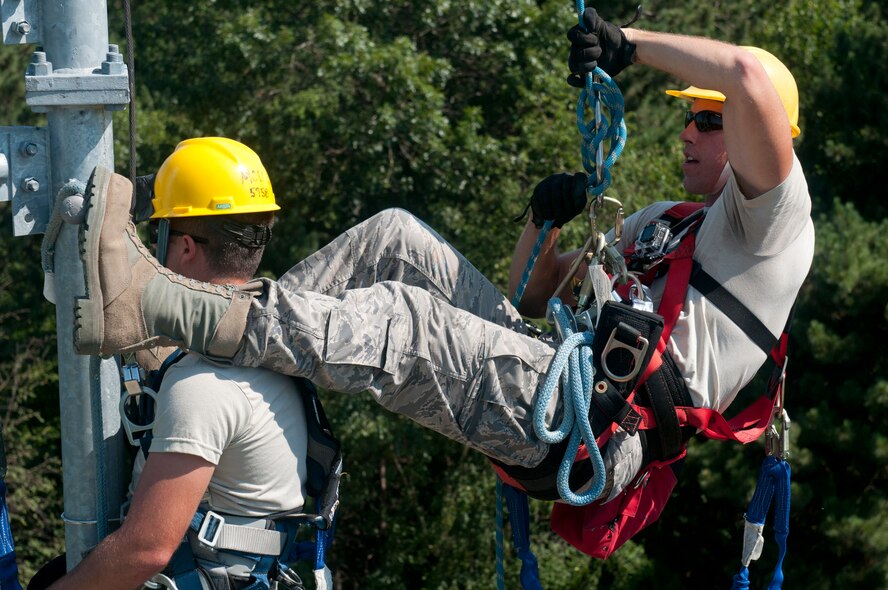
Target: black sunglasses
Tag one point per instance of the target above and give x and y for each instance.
(706, 120)
(153, 232)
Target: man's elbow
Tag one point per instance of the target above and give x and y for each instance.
(144, 563)
(748, 73)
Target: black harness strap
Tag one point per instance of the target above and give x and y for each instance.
(729, 305)
(663, 391)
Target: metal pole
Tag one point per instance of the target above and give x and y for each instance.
(75, 39)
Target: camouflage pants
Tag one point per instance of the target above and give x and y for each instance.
(390, 307)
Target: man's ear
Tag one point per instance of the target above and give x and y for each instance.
(189, 248)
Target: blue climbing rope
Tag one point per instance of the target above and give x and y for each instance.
(600, 89)
(574, 353)
(531, 262)
(575, 357)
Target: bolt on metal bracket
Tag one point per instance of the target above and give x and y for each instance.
(25, 177)
(21, 21)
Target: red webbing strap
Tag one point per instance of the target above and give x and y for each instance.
(677, 279)
(744, 428)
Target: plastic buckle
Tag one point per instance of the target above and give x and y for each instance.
(211, 529)
(637, 353)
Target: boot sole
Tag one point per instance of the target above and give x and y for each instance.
(89, 320)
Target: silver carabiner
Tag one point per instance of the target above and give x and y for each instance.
(777, 440)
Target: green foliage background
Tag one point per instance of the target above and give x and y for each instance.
(454, 110)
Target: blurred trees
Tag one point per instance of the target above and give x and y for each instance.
(454, 110)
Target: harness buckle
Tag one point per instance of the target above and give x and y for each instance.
(160, 582)
(637, 352)
(211, 529)
(137, 413)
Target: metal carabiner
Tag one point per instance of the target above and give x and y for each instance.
(777, 440)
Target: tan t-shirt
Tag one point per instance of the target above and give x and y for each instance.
(760, 250)
(248, 422)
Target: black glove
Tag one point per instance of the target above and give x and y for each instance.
(601, 44)
(559, 197)
(143, 208)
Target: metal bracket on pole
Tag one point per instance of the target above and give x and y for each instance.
(25, 177)
(107, 86)
(22, 20)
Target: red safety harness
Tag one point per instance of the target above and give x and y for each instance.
(657, 406)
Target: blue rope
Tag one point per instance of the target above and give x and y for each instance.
(8, 567)
(773, 481)
(531, 262)
(575, 355)
(500, 551)
(614, 130)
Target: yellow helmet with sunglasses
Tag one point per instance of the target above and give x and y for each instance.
(212, 176)
(780, 76)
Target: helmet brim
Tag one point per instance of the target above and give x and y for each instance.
(692, 93)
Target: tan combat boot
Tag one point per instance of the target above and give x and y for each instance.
(132, 302)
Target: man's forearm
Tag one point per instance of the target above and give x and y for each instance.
(114, 564)
(705, 63)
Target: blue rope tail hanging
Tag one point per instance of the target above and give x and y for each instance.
(8, 567)
(773, 482)
(519, 519)
(500, 551)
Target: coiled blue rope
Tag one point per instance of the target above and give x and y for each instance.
(575, 356)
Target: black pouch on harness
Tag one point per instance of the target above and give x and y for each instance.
(625, 341)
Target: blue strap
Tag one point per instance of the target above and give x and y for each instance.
(183, 569)
(260, 574)
(773, 482)
(8, 567)
(519, 520)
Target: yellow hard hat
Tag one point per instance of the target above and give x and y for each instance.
(211, 176)
(780, 76)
